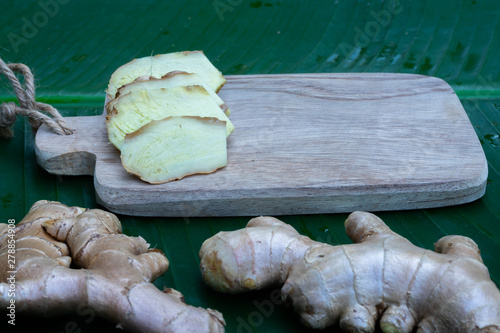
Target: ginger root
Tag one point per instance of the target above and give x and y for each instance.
(114, 278)
(384, 279)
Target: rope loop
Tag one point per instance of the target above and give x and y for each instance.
(28, 106)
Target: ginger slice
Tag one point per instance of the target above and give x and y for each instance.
(137, 108)
(159, 65)
(175, 147)
(171, 79)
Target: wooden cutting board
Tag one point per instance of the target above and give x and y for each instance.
(303, 144)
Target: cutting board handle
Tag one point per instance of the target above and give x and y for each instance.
(73, 154)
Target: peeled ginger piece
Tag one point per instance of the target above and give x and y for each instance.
(137, 108)
(175, 147)
(159, 65)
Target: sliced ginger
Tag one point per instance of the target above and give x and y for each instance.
(145, 95)
(175, 147)
(383, 280)
(172, 79)
(137, 108)
(113, 277)
(159, 65)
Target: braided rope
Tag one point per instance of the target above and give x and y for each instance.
(27, 107)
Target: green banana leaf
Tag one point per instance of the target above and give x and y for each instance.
(74, 46)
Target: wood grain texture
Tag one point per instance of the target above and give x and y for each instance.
(303, 144)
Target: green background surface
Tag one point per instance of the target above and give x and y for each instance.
(74, 46)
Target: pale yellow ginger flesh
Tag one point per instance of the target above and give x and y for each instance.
(383, 280)
(113, 279)
(159, 65)
(175, 147)
(172, 79)
(137, 108)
